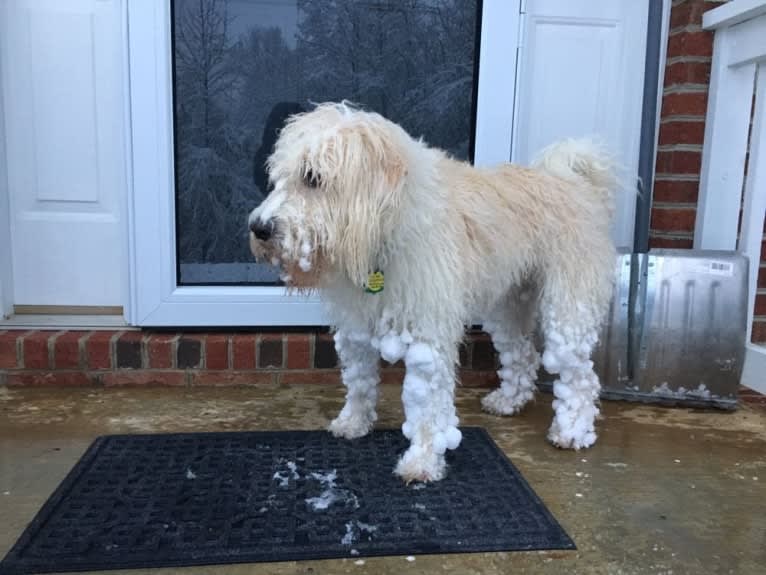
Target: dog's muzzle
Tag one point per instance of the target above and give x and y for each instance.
(262, 230)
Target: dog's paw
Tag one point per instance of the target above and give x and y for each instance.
(571, 438)
(419, 464)
(499, 403)
(350, 427)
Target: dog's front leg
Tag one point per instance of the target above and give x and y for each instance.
(359, 371)
(429, 408)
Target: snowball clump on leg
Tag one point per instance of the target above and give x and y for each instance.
(520, 362)
(576, 391)
(393, 345)
(359, 372)
(430, 418)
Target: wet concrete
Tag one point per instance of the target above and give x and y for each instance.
(663, 491)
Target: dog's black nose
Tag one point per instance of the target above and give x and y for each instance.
(262, 231)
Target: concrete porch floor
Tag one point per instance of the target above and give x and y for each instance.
(663, 491)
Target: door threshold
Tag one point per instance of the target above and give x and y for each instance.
(59, 321)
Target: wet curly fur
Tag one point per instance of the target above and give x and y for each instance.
(520, 247)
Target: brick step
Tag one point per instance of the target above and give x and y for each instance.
(48, 357)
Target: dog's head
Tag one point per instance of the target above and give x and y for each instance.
(338, 175)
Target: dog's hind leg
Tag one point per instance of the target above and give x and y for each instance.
(571, 332)
(360, 375)
(431, 423)
(512, 326)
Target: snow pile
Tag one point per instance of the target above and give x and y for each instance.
(356, 529)
(331, 493)
(702, 392)
(284, 476)
(190, 474)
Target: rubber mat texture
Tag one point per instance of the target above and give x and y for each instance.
(138, 501)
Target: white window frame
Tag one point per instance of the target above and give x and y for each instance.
(155, 299)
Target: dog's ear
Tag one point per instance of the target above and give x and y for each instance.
(384, 153)
(391, 162)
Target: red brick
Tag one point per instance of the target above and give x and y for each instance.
(217, 351)
(392, 376)
(680, 132)
(679, 162)
(684, 104)
(690, 43)
(676, 191)
(686, 13)
(756, 401)
(98, 350)
(325, 354)
(128, 350)
(760, 304)
(223, 378)
(50, 378)
(671, 243)
(243, 351)
(8, 349)
(762, 276)
(143, 377)
(759, 331)
(312, 376)
(66, 350)
(478, 378)
(694, 72)
(298, 351)
(35, 349)
(159, 350)
(673, 219)
(271, 351)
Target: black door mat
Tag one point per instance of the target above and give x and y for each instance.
(216, 498)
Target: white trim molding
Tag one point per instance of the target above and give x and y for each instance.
(6, 263)
(155, 298)
(738, 75)
(754, 372)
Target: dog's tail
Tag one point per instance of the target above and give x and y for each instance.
(582, 159)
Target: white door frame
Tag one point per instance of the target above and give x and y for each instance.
(155, 299)
(6, 265)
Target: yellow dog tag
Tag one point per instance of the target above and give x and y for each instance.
(375, 282)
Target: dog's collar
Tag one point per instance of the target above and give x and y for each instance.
(375, 282)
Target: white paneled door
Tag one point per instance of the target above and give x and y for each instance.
(63, 110)
(581, 73)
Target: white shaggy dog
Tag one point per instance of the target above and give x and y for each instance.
(354, 194)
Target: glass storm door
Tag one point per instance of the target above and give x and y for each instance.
(212, 81)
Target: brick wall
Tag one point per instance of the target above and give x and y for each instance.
(113, 358)
(682, 132)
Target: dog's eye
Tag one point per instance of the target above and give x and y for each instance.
(311, 179)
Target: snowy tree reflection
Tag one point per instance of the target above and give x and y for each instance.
(240, 62)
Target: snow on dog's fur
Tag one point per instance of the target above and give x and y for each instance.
(519, 247)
